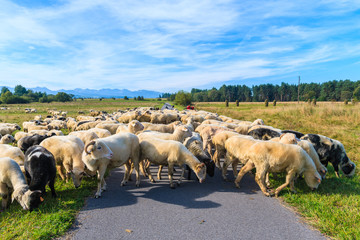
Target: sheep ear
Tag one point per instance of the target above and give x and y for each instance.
(282, 135)
(318, 179)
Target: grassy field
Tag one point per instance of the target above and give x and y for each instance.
(333, 209)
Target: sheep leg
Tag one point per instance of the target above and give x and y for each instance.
(228, 160)
(289, 178)
(216, 158)
(182, 174)
(137, 173)
(260, 179)
(159, 172)
(234, 167)
(4, 193)
(246, 168)
(267, 180)
(60, 171)
(170, 173)
(209, 149)
(147, 168)
(52, 188)
(142, 169)
(127, 174)
(336, 169)
(68, 169)
(101, 173)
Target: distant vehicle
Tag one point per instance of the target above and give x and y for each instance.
(190, 107)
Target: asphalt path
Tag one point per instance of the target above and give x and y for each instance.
(214, 209)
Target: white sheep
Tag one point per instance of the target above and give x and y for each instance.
(111, 127)
(102, 133)
(179, 134)
(268, 156)
(67, 151)
(20, 135)
(12, 152)
(85, 136)
(133, 127)
(164, 128)
(219, 143)
(7, 139)
(290, 138)
(236, 152)
(112, 151)
(8, 129)
(170, 153)
(13, 180)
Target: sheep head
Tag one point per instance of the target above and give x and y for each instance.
(312, 179)
(28, 199)
(200, 171)
(93, 151)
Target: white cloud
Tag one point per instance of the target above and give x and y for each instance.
(163, 45)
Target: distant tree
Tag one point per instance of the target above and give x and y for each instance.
(183, 98)
(356, 93)
(346, 95)
(4, 90)
(126, 98)
(63, 97)
(20, 90)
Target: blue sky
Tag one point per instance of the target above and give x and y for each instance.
(171, 45)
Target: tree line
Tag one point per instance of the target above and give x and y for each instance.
(23, 95)
(328, 91)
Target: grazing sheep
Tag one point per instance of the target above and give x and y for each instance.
(263, 133)
(297, 134)
(164, 128)
(236, 148)
(290, 138)
(85, 136)
(111, 127)
(13, 180)
(37, 127)
(7, 139)
(67, 151)
(12, 152)
(133, 127)
(20, 135)
(57, 124)
(331, 150)
(129, 116)
(113, 151)
(26, 142)
(219, 143)
(278, 157)
(86, 125)
(40, 169)
(179, 134)
(168, 152)
(8, 129)
(208, 133)
(102, 133)
(194, 145)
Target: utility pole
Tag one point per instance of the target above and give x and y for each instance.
(299, 90)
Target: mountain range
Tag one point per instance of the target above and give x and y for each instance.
(92, 93)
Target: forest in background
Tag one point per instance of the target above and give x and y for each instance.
(328, 91)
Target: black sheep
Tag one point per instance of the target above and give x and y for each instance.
(26, 142)
(40, 169)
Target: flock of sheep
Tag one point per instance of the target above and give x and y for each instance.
(140, 137)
